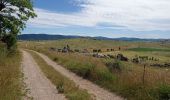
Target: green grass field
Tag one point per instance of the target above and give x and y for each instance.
(149, 49)
(123, 78)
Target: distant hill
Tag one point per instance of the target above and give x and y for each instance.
(44, 37)
(33, 37)
(127, 39)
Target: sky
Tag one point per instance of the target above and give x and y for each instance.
(107, 18)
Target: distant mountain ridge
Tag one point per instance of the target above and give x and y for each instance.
(44, 37)
(33, 37)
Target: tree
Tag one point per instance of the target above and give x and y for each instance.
(13, 16)
(10, 41)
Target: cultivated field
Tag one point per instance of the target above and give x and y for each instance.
(134, 70)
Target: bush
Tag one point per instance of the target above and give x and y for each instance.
(10, 41)
(55, 59)
(114, 66)
(60, 87)
(164, 92)
(82, 69)
(104, 75)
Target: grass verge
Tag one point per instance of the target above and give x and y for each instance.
(10, 76)
(63, 84)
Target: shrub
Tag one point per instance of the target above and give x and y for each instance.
(55, 59)
(114, 66)
(164, 92)
(10, 41)
(94, 50)
(104, 75)
(99, 50)
(82, 69)
(60, 87)
(77, 50)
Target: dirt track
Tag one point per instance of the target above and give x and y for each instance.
(40, 87)
(99, 93)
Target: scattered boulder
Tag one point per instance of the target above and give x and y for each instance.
(112, 49)
(94, 50)
(77, 50)
(97, 50)
(85, 51)
(166, 65)
(65, 50)
(100, 55)
(143, 57)
(59, 50)
(111, 56)
(52, 49)
(119, 48)
(122, 58)
(108, 50)
(139, 59)
(135, 60)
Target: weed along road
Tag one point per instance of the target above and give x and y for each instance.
(39, 86)
(96, 91)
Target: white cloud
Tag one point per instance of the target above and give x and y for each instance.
(131, 14)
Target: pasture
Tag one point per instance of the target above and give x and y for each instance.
(147, 79)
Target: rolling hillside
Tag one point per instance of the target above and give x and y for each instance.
(57, 37)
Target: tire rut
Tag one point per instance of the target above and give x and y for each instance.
(93, 89)
(40, 87)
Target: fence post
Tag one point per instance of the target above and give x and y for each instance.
(144, 71)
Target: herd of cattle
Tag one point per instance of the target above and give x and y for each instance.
(67, 49)
(97, 53)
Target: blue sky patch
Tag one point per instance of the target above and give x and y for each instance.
(114, 18)
(64, 6)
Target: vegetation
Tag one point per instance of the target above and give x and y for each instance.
(149, 49)
(63, 84)
(164, 92)
(13, 16)
(10, 75)
(124, 78)
(86, 67)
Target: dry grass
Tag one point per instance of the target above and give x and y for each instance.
(63, 84)
(10, 76)
(84, 43)
(128, 82)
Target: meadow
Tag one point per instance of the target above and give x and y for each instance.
(124, 78)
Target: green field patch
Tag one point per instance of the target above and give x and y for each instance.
(149, 49)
